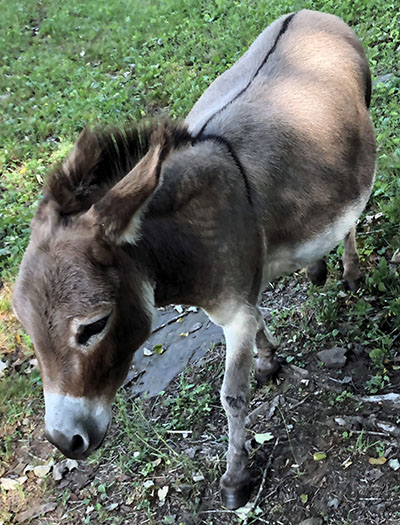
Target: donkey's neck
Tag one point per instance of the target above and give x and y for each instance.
(181, 234)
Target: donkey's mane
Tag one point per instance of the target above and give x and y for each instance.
(100, 159)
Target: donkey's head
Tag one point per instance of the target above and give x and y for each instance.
(86, 305)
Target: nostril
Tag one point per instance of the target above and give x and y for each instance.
(78, 444)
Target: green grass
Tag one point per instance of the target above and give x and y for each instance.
(67, 65)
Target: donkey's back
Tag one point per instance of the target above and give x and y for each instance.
(294, 109)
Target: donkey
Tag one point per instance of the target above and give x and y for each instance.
(270, 171)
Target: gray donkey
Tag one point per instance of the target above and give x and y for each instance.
(270, 171)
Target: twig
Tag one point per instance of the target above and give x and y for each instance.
(260, 409)
(261, 487)
(170, 321)
(385, 398)
(369, 423)
(304, 399)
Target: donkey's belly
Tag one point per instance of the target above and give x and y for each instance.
(286, 259)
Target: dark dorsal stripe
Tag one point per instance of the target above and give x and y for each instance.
(229, 147)
(283, 29)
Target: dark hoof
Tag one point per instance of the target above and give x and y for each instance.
(353, 284)
(266, 372)
(236, 497)
(318, 273)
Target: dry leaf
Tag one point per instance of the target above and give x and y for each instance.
(319, 456)
(41, 470)
(262, 438)
(377, 461)
(162, 493)
(35, 511)
(61, 468)
(198, 477)
(156, 462)
(12, 484)
(3, 366)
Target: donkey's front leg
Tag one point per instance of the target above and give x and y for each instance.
(240, 333)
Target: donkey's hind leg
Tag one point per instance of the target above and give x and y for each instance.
(317, 272)
(266, 363)
(240, 333)
(351, 273)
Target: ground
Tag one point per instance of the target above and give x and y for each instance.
(312, 438)
(321, 447)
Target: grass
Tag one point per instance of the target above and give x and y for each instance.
(66, 65)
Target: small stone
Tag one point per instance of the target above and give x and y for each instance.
(334, 502)
(333, 357)
(394, 464)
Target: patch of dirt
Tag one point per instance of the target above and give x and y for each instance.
(330, 454)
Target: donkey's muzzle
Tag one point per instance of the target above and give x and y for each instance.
(75, 425)
(75, 446)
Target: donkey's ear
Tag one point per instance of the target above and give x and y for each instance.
(119, 211)
(72, 184)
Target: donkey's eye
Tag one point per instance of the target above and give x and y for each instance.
(86, 331)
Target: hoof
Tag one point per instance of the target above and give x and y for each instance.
(266, 372)
(235, 497)
(352, 284)
(318, 273)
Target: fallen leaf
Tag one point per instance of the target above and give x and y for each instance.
(394, 464)
(12, 484)
(396, 257)
(162, 493)
(61, 468)
(156, 462)
(198, 477)
(34, 512)
(377, 461)
(184, 334)
(262, 438)
(3, 366)
(304, 498)
(319, 456)
(41, 470)
(243, 512)
(158, 349)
